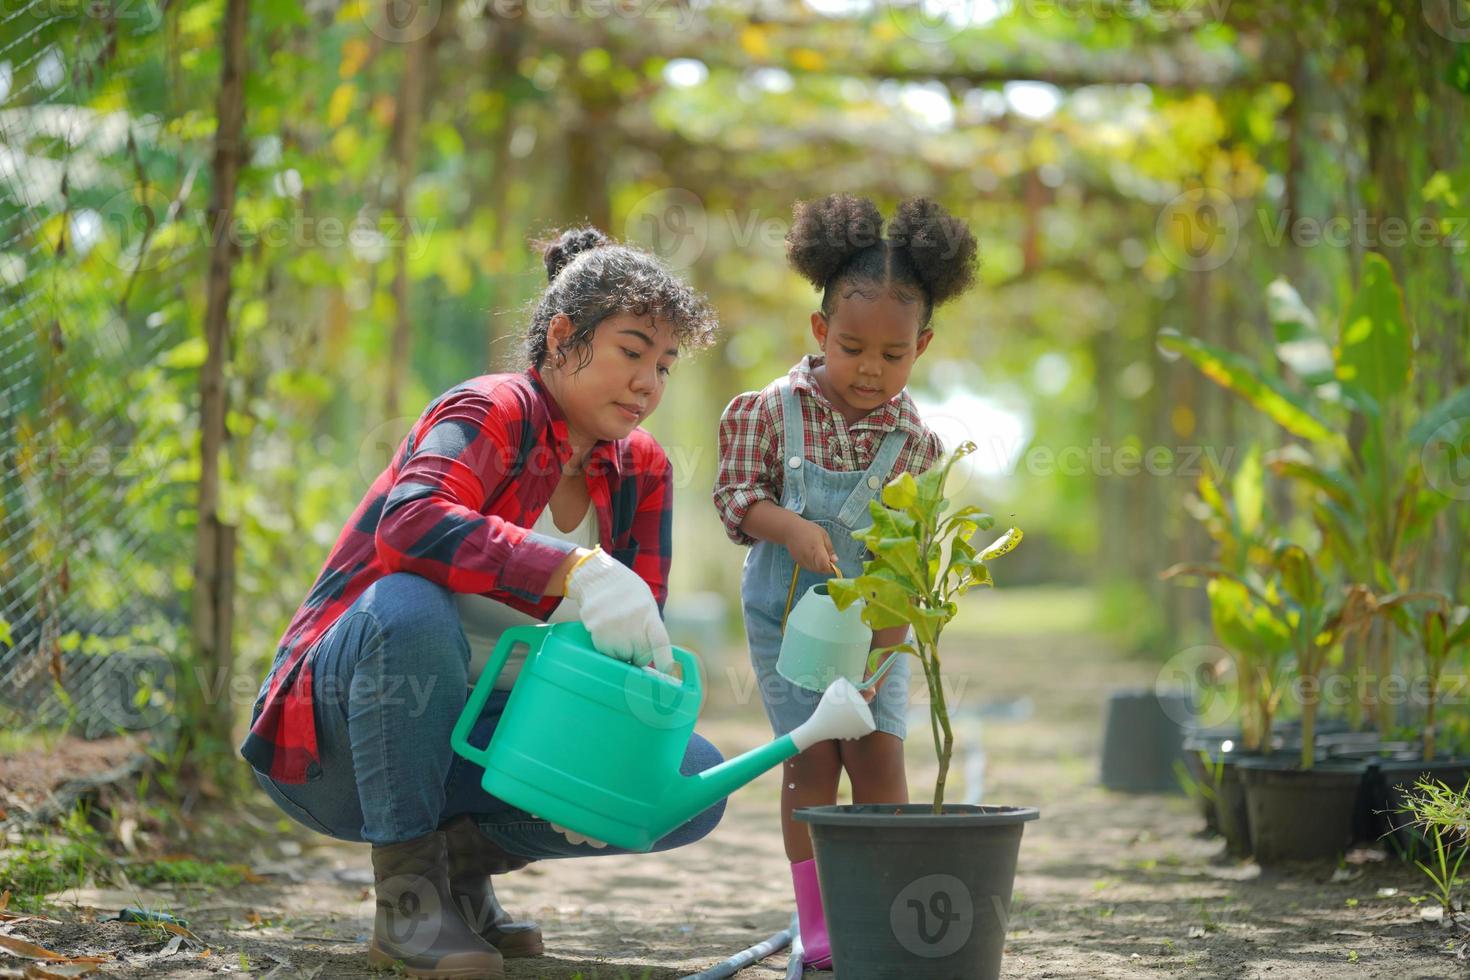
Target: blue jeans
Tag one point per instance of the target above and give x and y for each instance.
(389, 682)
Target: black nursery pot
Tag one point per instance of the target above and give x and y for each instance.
(1389, 790)
(1231, 816)
(1143, 739)
(1198, 754)
(913, 894)
(1300, 814)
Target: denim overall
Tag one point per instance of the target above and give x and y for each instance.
(837, 501)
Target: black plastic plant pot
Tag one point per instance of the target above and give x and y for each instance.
(1231, 815)
(1143, 737)
(1198, 755)
(1390, 790)
(914, 894)
(1300, 814)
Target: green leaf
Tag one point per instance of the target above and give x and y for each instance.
(1249, 490)
(1434, 634)
(1238, 374)
(886, 603)
(890, 523)
(929, 623)
(1343, 530)
(844, 592)
(1442, 423)
(902, 555)
(1298, 578)
(976, 573)
(902, 492)
(189, 354)
(1002, 545)
(1295, 463)
(1375, 348)
(1299, 342)
(1459, 627)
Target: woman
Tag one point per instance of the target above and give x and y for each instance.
(515, 497)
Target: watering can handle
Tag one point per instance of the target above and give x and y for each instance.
(791, 594)
(690, 666)
(532, 636)
(893, 658)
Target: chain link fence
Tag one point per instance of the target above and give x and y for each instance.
(94, 554)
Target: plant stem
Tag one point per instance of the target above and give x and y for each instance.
(1383, 662)
(1250, 697)
(941, 711)
(1433, 679)
(931, 677)
(1309, 729)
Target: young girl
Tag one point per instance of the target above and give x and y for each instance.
(801, 459)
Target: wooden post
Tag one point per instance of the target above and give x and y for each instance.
(212, 714)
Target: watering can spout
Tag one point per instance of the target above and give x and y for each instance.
(842, 713)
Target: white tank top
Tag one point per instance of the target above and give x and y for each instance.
(484, 619)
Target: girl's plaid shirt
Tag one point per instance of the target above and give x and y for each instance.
(751, 467)
(454, 506)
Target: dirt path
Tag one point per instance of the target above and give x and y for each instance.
(1109, 885)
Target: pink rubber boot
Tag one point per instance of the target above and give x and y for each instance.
(816, 949)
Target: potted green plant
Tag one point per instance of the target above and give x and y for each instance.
(1369, 495)
(919, 891)
(1439, 631)
(1361, 467)
(1253, 632)
(1300, 807)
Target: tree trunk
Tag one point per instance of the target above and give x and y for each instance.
(406, 117)
(211, 716)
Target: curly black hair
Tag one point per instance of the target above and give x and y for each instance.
(837, 243)
(591, 277)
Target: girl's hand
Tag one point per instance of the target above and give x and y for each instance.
(811, 547)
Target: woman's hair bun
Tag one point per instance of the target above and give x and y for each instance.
(826, 233)
(942, 247)
(557, 252)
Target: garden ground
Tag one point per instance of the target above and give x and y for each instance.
(1109, 885)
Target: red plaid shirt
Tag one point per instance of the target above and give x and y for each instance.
(750, 442)
(454, 506)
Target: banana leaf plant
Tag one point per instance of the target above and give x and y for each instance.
(1258, 642)
(922, 562)
(1312, 611)
(1363, 442)
(1438, 633)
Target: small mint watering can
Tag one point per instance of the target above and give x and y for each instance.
(821, 643)
(594, 744)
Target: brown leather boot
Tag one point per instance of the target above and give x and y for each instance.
(416, 922)
(473, 857)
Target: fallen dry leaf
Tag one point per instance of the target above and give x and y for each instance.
(59, 971)
(30, 951)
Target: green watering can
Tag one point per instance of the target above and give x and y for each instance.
(594, 744)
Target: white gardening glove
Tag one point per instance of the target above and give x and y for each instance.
(575, 838)
(619, 611)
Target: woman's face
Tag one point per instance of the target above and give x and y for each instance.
(623, 381)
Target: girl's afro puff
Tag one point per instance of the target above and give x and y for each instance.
(839, 239)
(941, 246)
(825, 234)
